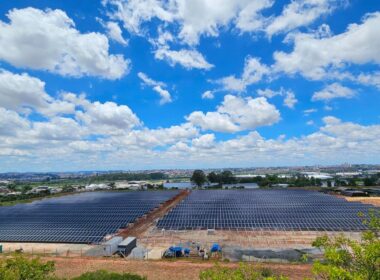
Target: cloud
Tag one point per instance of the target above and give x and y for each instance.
(187, 58)
(148, 81)
(11, 123)
(213, 121)
(268, 93)
(250, 18)
(290, 100)
(253, 72)
(369, 79)
(193, 19)
(157, 87)
(333, 91)
(165, 95)
(307, 112)
(24, 93)
(198, 18)
(237, 114)
(57, 129)
(114, 32)
(47, 40)
(299, 13)
(107, 118)
(135, 12)
(67, 143)
(359, 44)
(208, 94)
(206, 141)
(327, 145)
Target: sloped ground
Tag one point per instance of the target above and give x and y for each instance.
(375, 201)
(162, 270)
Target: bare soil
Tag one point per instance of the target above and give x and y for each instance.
(375, 201)
(163, 270)
(258, 239)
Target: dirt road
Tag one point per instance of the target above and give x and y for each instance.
(142, 225)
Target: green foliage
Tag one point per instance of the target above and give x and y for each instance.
(128, 177)
(18, 267)
(213, 177)
(243, 272)
(225, 177)
(105, 275)
(198, 178)
(346, 259)
(294, 181)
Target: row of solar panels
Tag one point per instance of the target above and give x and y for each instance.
(82, 218)
(267, 209)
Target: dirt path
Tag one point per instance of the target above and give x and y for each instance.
(143, 224)
(162, 270)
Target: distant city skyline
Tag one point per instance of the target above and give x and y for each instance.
(142, 85)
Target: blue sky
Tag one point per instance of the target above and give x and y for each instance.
(119, 84)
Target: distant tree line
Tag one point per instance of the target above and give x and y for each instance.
(23, 196)
(129, 177)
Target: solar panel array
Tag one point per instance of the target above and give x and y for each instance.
(264, 209)
(81, 218)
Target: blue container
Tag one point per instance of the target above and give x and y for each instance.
(216, 248)
(176, 250)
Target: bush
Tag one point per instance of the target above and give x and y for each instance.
(18, 267)
(243, 272)
(105, 275)
(346, 259)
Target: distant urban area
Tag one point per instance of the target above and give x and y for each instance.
(350, 180)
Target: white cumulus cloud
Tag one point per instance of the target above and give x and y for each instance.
(24, 93)
(313, 56)
(48, 40)
(333, 91)
(299, 13)
(253, 72)
(114, 32)
(237, 114)
(187, 58)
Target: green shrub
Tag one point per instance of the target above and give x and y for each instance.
(105, 275)
(243, 272)
(18, 267)
(346, 259)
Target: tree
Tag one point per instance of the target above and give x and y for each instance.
(228, 177)
(213, 177)
(21, 268)
(105, 275)
(198, 178)
(370, 181)
(346, 259)
(243, 272)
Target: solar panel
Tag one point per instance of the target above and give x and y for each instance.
(80, 218)
(264, 209)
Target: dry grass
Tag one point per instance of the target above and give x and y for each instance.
(250, 239)
(162, 270)
(368, 200)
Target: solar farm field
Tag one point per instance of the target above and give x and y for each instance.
(81, 218)
(264, 209)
